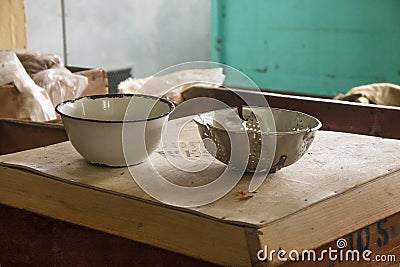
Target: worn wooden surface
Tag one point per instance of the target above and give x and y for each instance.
(340, 174)
(125, 216)
(335, 163)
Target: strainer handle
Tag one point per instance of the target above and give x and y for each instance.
(240, 113)
(207, 129)
(206, 125)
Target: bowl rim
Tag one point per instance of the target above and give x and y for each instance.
(319, 124)
(169, 103)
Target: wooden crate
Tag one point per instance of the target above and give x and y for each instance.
(364, 209)
(18, 135)
(11, 100)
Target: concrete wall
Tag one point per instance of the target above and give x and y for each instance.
(145, 35)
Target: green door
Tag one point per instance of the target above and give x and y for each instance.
(319, 47)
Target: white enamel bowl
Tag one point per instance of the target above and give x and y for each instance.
(95, 126)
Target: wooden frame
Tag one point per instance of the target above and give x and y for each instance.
(335, 115)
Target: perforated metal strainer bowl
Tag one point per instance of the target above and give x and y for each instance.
(291, 131)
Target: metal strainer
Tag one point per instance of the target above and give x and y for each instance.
(291, 131)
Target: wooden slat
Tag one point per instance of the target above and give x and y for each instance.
(310, 228)
(335, 163)
(335, 115)
(382, 238)
(98, 82)
(254, 245)
(49, 242)
(285, 208)
(11, 101)
(19, 135)
(12, 24)
(127, 217)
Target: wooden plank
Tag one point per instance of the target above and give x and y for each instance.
(97, 81)
(310, 228)
(11, 100)
(335, 115)
(14, 134)
(138, 220)
(382, 238)
(254, 245)
(12, 24)
(339, 169)
(28, 239)
(343, 160)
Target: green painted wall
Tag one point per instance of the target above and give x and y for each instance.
(320, 47)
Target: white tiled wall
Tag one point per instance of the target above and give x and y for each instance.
(145, 35)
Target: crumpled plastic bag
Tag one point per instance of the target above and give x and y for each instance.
(48, 71)
(60, 84)
(171, 86)
(35, 62)
(42, 79)
(36, 99)
(378, 93)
